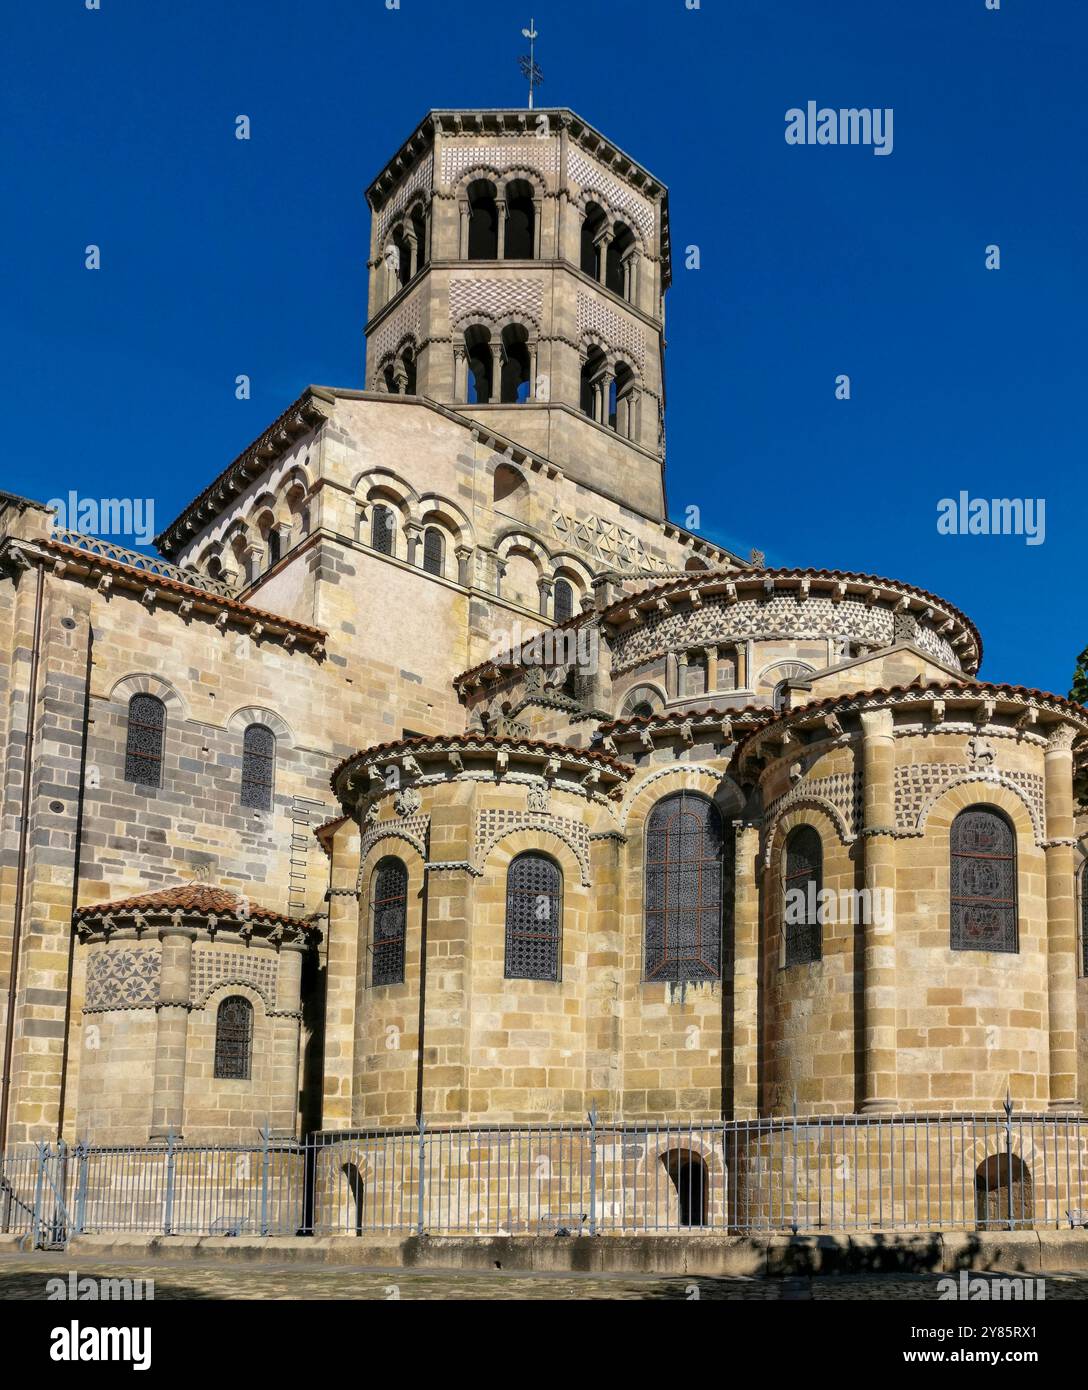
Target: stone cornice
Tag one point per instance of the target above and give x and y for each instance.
(955, 706)
(941, 616)
(309, 412)
(406, 764)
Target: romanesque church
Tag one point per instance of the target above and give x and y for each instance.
(430, 769)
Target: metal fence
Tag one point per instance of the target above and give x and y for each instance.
(843, 1173)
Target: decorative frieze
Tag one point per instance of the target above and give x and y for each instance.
(125, 979)
(919, 785)
(619, 197)
(605, 542)
(212, 969)
(493, 824)
(618, 331)
(539, 153)
(496, 298)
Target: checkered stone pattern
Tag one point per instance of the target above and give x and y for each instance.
(418, 181)
(594, 316)
(212, 969)
(493, 824)
(916, 784)
(618, 195)
(496, 299)
(780, 616)
(936, 646)
(407, 323)
(541, 154)
(604, 541)
(125, 979)
(841, 790)
(411, 828)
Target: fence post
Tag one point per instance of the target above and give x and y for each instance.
(420, 1195)
(1007, 1107)
(83, 1161)
(593, 1170)
(43, 1159)
(168, 1209)
(793, 1224)
(264, 1180)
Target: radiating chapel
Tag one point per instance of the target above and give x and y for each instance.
(430, 769)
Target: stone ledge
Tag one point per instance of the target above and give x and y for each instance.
(710, 1256)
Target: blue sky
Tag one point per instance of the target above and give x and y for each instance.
(222, 257)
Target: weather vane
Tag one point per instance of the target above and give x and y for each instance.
(527, 63)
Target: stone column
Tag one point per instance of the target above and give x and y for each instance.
(742, 666)
(413, 254)
(671, 690)
(1061, 922)
(342, 973)
(538, 213)
(606, 397)
(878, 815)
(460, 375)
(711, 669)
(253, 555)
(462, 232)
(681, 675)
(746, 973)
(171, 1032)
(500, 227)
(464, 555)
(532, 348)
(414, 533)
(286, 1028)
(284, 530)
(544, 588)
(496, 374)
(603, 244)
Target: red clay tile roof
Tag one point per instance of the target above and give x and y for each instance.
(482, 742)
(161, 581)
(701, 716)
(191, 897)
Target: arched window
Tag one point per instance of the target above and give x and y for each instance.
(520, 232)
(258, 766)
(483, 225)
(983, 884)
(434, 550)
(563, 602)
(514, 385)
(481, 363)
(803, 881)
(592, 245)
(382, 530)
(143, 745)
(234, 1039)
(389, 920)
(534, 917)
(684, 882)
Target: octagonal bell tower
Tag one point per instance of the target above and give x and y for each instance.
(518, 268)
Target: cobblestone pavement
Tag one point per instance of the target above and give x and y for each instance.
(23, 1278)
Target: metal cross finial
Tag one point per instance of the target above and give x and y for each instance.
(527, 64)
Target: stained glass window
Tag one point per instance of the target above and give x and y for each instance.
(234, 1039)
(143, 747)
(389, 914)
(258, 766)
(534, 918)
(685, 874)
(564, 601)
(433, 550)
(381, 530)
(803, 881)
(983, 905)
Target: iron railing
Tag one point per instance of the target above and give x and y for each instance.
(844, 1173)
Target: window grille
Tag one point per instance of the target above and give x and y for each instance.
(234, 1039)
(564, 601)
(534, 916)
(389, 914)
(433, 550)
(381, 530)
(684, 881)
(258, 766)
(803, 881)
(143, 747)
(983, 897)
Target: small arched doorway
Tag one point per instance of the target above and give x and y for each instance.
(1004, 1199)
(687, 1173)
